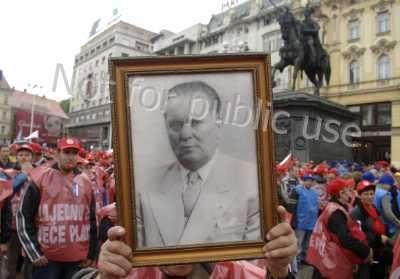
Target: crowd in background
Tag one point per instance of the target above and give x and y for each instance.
(346, 216)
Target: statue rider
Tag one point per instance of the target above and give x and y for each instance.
(311, 34)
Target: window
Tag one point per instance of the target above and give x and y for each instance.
(112, 40)
(354, 30)
(3, 130)
(267, 20)
(354, 72)
(103, 59)
(126, 42)
(141, 46)
(97, 62)
(123, 54)
(93, 116)
(272, 41)
(383, 22)
(376, 115)
(4, 116)
(367, 115)
(384, 112)
(355, 109)
(383, 67)
(6, 100)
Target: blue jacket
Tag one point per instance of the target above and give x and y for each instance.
(379, 194)
(307, 208)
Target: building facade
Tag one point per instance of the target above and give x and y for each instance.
(90, 109)
(362, 38)
(6, 118)
(250, 26)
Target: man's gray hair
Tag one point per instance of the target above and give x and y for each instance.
(192, 87)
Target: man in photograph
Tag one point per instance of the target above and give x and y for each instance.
(205, 196)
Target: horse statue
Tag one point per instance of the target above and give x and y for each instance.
(302, 49)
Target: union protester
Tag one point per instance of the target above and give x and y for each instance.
(387, 202)
(20, 184)
(56, 221)
(305, 201)
(337, 242)
(114, 260)
(374, 228)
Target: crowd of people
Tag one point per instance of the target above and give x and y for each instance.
(58, 220)
(346, 216)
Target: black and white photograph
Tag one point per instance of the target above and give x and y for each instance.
(194, 154)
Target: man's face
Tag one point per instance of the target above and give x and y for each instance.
(4, 153)
(192, 129)
(68, 158)
(308, 183)
(24, 156)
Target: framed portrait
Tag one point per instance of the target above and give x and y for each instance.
(194, 156)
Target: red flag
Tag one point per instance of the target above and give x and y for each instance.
(286, 163)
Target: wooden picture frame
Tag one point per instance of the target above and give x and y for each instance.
(128, 127)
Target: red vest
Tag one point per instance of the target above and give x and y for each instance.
(63, 214)
(223, 270)
(396, 258)
(325, 251)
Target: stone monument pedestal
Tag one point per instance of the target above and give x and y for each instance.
(311, 127)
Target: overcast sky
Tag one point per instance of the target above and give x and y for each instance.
(36, 35)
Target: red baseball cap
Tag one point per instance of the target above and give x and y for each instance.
(25, 147)
(333, 171)
(365, 185)
(68, 143)
(335, 186)
(36, 147)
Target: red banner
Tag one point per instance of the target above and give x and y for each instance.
(50, 127)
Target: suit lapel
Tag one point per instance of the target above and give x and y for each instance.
(167, 206)
(208, 208)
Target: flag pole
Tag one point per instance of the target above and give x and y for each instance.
(32, 115)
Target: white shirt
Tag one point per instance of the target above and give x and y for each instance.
(203, 172)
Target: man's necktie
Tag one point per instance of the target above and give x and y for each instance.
(191, 193)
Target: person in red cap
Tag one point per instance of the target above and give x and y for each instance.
(20, 182)
(37, 153)
(56, 221)
(375, 230)
(331, 174)
(337, 242)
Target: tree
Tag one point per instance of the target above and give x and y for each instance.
(65, 105)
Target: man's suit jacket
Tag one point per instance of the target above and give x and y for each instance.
(227, 208)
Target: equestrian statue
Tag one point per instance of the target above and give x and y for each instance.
(302, 48)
